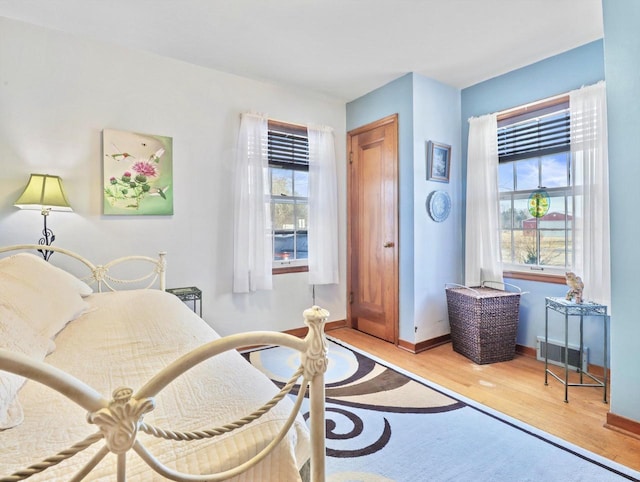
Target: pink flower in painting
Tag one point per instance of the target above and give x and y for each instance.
(145, 168)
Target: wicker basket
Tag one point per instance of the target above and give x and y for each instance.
(484, 322)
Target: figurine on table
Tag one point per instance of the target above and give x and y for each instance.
(576, 286)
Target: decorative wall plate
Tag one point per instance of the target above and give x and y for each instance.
(439, 205)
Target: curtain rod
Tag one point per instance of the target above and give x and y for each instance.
(295, 125)
(303, 127)
(524, 108)
(277, 121)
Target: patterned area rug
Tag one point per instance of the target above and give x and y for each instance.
(385, 424)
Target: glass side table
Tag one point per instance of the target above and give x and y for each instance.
(569, 308)
(190, 293)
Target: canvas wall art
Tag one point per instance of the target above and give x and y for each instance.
(138, 173)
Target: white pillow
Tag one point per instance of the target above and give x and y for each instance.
(41, 294)
(29, 258)
(16, 335)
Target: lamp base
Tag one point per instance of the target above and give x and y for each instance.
(47, 237)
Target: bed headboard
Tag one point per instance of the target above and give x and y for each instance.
(126, 272)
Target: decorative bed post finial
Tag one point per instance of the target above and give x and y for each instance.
(120, 420)
(315, 359)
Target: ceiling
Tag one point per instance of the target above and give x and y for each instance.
(344, 48)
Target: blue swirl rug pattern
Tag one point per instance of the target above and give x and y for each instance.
(385, 424)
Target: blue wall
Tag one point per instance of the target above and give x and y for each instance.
(437, 260)
(429, 251)
(622, 65)
(556, 75)
(396, 98)
(553, 76)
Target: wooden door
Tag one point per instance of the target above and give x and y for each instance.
(373, 229)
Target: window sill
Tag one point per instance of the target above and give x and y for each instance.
(544, 278)
(290, 269)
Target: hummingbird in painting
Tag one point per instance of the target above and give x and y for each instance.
(120, 155)
(155, 157)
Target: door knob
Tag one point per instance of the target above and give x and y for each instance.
(388, 244)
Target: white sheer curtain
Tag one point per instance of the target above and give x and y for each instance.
(253, 242)
(323, 207)
(482, 236)
(588, 109)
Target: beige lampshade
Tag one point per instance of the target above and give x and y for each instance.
(43, 192)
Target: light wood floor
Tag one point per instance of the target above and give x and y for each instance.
(515, 388)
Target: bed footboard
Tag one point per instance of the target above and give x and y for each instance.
(119, 419)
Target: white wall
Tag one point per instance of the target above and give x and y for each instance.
(58, 92)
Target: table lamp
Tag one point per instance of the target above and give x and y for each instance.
(44, 192)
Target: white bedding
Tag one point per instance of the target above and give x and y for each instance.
(123, 340)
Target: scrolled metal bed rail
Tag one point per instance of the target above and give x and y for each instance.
(120, 418)
(230, 427)
(100, 274)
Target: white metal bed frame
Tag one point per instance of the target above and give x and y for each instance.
(99, 274)
(120, 418)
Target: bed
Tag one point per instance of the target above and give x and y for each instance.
(103, 383)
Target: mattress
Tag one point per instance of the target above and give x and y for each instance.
(123, 339)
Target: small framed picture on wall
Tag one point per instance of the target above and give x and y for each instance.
(438, 161)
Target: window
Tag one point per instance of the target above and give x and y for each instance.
(536, 189)
(288, 151)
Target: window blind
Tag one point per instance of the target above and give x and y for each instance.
(288, 150)
(538, 134)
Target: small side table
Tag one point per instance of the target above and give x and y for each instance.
(569, 308)
(190, 293)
